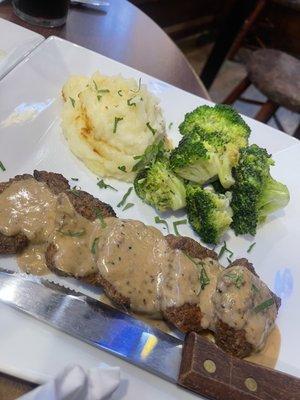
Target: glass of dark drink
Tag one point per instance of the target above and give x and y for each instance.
(48, 13)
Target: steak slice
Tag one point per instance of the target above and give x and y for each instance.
(13, 244)
(247, 264)
(86, 205)
(56, 183)
(233, 340)
(187, 318)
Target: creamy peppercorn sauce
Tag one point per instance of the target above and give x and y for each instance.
(134, 258)
(241, 301)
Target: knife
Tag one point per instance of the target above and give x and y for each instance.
(195, 363)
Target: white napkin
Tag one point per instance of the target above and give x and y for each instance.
(73, 383)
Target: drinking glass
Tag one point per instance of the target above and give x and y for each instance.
(48, 13)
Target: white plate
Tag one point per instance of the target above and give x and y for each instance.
(15, 43)
(30, 137)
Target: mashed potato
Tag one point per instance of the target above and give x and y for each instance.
(108, 121)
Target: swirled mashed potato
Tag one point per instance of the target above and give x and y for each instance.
(110, 121)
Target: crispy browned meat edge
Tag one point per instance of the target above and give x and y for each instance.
(87, 205)
(191, 247)
(231, 340)
(57, 183)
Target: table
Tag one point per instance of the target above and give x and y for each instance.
(127, 35)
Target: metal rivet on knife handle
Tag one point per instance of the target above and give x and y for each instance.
(251, 384)
(209, 366)
(233, 378)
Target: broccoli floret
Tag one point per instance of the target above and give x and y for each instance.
(220, 118)
(158, 186)
(209, 213)
(255, 193)
(155, 151)
(203, 158)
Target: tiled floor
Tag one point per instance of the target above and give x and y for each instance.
(229, 76)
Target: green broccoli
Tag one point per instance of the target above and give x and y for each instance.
(158, 186)
(255, 193)
(209, 213)
(155, 151)
(203, 158)
(220, 118)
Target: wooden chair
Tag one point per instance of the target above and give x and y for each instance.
(277, 75)
(250, 21)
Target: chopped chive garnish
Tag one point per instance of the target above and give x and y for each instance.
(75, 192)
(265, 304)
(176, 223)
(99, 91)
(237, 279)
(161, 221)
(75, 179)
(129, 103)
(251, 247)
(94, 245)
(72, 234)
(223, 249)
(254, 288)
(150, 128)
(119, 92)
(137, 157)
(102, 185)
(139, 87)
(72, 101)
(117, 120)
(2, 166)
(204, 279)
(96, 86)
(99, 215)
(228, 259)
(128, 205)
(170, 125)
(124, 198)
(122, 168)
(152, 152)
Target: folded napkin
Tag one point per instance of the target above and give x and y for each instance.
(74, 383)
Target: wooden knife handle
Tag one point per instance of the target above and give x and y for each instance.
(212, 373)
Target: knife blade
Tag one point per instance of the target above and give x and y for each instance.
(195, 364)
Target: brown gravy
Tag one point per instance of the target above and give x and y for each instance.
(32, 260)
(137, 261)
(28, 207)
(268, 356)
(241, 301)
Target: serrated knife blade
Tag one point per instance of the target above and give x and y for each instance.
(94, 322)
(195, 364)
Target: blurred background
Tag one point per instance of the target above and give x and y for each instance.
(196, 25)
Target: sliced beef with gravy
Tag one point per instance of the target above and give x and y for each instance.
(245, 309)
(15, 201)
(175, 278)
